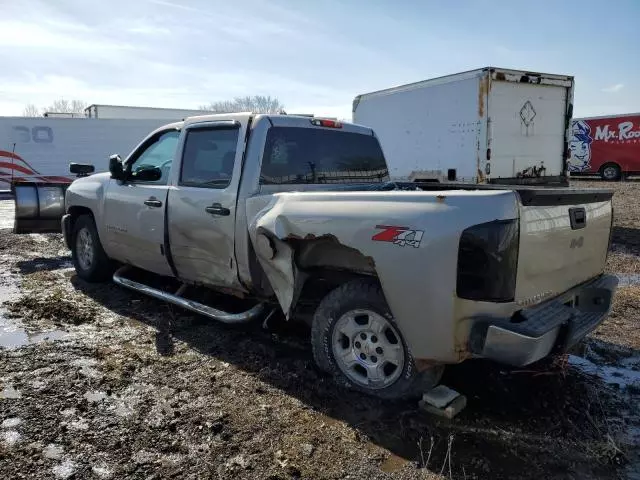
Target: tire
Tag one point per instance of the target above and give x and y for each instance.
(359, 309)
(89, 259)
(611, 172)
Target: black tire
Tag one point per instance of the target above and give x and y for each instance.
(611, 172)
(365, 294)
(100, 267)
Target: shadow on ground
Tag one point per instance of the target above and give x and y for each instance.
(627, 236)
(543, 421)
(43, 264)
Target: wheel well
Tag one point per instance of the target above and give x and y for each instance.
(76, 212)
(610, 164)
(327, 264)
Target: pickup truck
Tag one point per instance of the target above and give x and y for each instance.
(297, 213)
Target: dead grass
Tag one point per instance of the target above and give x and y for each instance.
(55, 305)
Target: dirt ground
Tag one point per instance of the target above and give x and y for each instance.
(99, 382)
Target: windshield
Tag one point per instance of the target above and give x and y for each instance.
(314, 155)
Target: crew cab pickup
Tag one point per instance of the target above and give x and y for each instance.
(297, 214)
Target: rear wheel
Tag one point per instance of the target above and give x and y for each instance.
(355, 338)
(611, 172)
(89, 259)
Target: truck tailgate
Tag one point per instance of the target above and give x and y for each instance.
(564, 238)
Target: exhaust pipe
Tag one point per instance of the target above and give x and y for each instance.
(219, 315)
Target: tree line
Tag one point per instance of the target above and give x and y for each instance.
(249, 103)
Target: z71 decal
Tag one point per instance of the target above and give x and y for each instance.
(401, 236)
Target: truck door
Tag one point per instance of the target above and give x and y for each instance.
(201, 207)
(135, 210)
(527, 129)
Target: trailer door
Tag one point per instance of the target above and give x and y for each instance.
(527, 129)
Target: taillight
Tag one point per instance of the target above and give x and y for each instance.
(488, 261)
(323, 122)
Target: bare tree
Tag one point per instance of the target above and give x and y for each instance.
(255, 104)
(66, 106)
(31, 110)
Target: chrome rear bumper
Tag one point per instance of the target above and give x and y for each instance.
(557, 324)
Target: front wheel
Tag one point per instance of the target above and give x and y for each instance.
(89, 258)
(611, 172)
(355, 338)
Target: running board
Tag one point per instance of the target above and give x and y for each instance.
(194, 306)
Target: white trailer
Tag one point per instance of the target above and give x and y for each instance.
(123, 111)
(40, 149)
(490, 125)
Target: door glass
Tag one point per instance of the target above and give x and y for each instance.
(208, 158)
(158, 153)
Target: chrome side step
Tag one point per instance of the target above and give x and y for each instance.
(192, 305)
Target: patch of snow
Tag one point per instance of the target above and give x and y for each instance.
(80, 424)
(65, 470)
(94, 397)
(11, 422)
(10, 393)
(609, 374)
(53, 451)
(11, 437)
(101, 471)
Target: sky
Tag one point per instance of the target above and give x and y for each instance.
(315, 56)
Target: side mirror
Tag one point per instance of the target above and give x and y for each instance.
(147, 173)
(115, 167)
(81, 169)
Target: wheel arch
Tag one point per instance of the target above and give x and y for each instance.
(611, 164)
(294, 265)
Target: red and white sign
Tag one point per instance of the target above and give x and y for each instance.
(598, 141)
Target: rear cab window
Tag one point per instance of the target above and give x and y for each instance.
(321, 156)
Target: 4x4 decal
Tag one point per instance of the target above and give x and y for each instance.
(401, 236)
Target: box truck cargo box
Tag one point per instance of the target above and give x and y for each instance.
(490, 125)
(40, 149)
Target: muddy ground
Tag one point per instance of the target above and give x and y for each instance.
(99, 382)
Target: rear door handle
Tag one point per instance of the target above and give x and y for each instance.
(217, 209)
(153, 202)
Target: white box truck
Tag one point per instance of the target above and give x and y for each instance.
(38, 149)
(490, 125)
(148, 113)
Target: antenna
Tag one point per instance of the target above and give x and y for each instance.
(13, 157)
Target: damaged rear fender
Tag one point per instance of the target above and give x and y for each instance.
(284, 251)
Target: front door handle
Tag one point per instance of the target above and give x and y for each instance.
(153, 202)
(217, 209)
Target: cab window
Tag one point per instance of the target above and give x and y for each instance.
(159, 152)
(208, 157)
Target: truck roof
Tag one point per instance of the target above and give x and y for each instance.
(516, 74)
(279, 120)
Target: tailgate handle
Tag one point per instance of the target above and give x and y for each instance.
(578, 217)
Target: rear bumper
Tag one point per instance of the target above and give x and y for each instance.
(65, 223)
(555, 325)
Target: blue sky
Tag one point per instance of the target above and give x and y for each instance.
(315, 56)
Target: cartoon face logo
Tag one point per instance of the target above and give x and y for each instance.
(580, 147)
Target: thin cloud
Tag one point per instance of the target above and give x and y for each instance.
(613, 88)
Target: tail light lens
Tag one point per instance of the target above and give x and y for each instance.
(488, 261)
